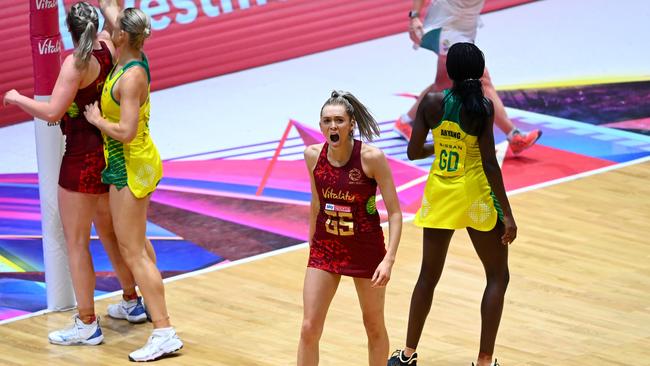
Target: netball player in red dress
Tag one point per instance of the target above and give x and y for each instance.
(82, 197)
(345, 236)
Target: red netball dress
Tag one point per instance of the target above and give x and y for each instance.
(83, 160)
(348, 239)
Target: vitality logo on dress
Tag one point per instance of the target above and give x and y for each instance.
(340, 195)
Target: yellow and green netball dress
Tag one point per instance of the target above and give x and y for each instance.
(457, 193)
(136, 164)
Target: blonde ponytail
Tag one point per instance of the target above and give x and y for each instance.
(83, 21)
(85, 46)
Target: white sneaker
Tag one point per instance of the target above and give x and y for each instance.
(78, 333)
(162, 341)
(132, 310)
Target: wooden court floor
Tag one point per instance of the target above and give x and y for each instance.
(579, 295)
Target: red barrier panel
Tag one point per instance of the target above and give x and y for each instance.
(46, 44)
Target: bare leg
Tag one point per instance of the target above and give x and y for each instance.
(104, 226)
(435, 244)
(317, 294)
(500, 116)
(150, 252)
(372, 301)
(130, 225)
(77, 210)
(494, 257)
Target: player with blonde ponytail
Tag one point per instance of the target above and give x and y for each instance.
(82, 197)
(133, 169)
(346, 238)
(83, 23)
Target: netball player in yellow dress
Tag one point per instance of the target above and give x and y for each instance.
(133, 169)
(464, 190)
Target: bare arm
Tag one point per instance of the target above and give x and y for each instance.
(378, 167)
(428, 115)
(493, 174)
(110, 10)
(65, 89)
(311, 157)
(416, 28)
(131, 87)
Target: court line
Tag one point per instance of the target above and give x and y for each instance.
(292, 248)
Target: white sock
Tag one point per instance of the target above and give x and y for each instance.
(163, 331)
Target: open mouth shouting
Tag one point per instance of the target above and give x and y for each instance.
(334, 137)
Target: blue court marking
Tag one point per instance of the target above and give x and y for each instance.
(633, 143)
(181, 255)
(20, 227)
(18, 185)
(26, 295)
(22, 294)
(583, 138)
(172, 255)
(579, 132)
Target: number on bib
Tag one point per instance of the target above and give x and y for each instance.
(339, 223)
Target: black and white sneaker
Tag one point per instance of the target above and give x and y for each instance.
(398, 359)
(494, 364)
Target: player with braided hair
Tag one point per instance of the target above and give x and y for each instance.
(464, 190)
(82, 197)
